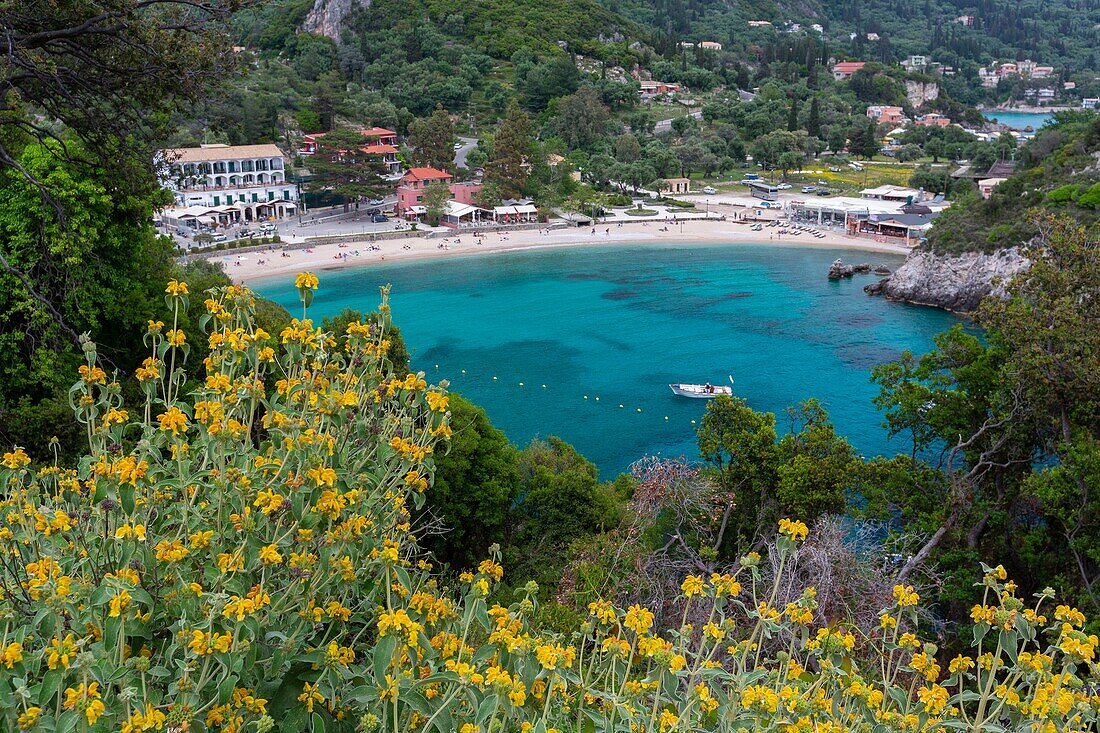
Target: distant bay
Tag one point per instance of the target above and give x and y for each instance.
(619, 324)
(1019, 120)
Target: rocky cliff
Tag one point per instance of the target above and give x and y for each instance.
(919, 92)
(956, 282)
(326, 16)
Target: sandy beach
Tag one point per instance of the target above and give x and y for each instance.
(256, 265)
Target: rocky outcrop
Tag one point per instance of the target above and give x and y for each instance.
(327, 16)
(840, 270)
(920, 92)
(952, 282)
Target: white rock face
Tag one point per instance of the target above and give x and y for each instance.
(920, 92)
(956, 283)
(327, 16)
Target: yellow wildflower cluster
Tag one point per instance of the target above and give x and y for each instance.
(245, 531)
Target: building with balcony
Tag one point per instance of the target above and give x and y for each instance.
(246, 182)
(379, 141)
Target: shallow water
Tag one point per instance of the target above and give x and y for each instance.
(1020, 120)
(620, 324)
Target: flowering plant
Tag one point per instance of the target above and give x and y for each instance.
(243, 559)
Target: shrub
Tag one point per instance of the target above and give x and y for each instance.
(243, 560)
(1063, 194)
(618, 199)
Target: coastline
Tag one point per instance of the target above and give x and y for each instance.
(246, 268)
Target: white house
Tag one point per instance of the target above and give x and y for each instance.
(248, 182)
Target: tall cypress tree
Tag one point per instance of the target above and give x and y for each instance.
(792, 116)
(813, 124)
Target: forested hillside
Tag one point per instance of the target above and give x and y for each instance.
(1059, 170)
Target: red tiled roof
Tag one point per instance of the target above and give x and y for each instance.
(425, 174)
(379, 149)
(378, 132)
(849, 66)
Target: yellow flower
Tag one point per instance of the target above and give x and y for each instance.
(176, 288)
(310, 695)
(638, 619)
(173, 421)
(269, 554)
(692, 586)
(306, 281)
(29, 717)
(119, 603)
(16, 459)
(12, 654)
(793, 529)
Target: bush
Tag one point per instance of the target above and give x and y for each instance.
(1063, 194)
(641, 212)
(618, 199)
(242, 560)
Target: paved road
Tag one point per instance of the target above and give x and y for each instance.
(468, 144)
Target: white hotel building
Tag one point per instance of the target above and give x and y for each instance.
(229, 183)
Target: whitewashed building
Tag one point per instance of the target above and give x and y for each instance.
(246, 182)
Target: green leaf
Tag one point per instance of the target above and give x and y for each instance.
(318, 723)
(50, 683)
(383, 655)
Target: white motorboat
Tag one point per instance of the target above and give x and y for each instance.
(700, 391)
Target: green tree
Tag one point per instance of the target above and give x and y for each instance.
(432, 140)
(511, 158)
(582, 118)
(561, 501)
(343, 167)
(813, 122)
(863, 139)
(436, 196)
(476, 483)
(738, 443)
(792, 116)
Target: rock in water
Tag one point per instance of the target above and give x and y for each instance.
(838, 270)
(952, 282)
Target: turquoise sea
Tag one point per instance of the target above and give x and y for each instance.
(583, 343)
(1020, 120)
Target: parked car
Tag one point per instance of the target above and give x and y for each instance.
(783, 186)
(458, 145)
(709, 190)
(219, 237)
(269, 227)
(379, 218)
(246, 233)
(809, 189)
(752, 176)
(376, 202)
(823, 192)
(855, 166)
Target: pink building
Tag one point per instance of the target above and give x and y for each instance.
(464, 193)
(410, 189)
(884, 114)
(932, 119)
